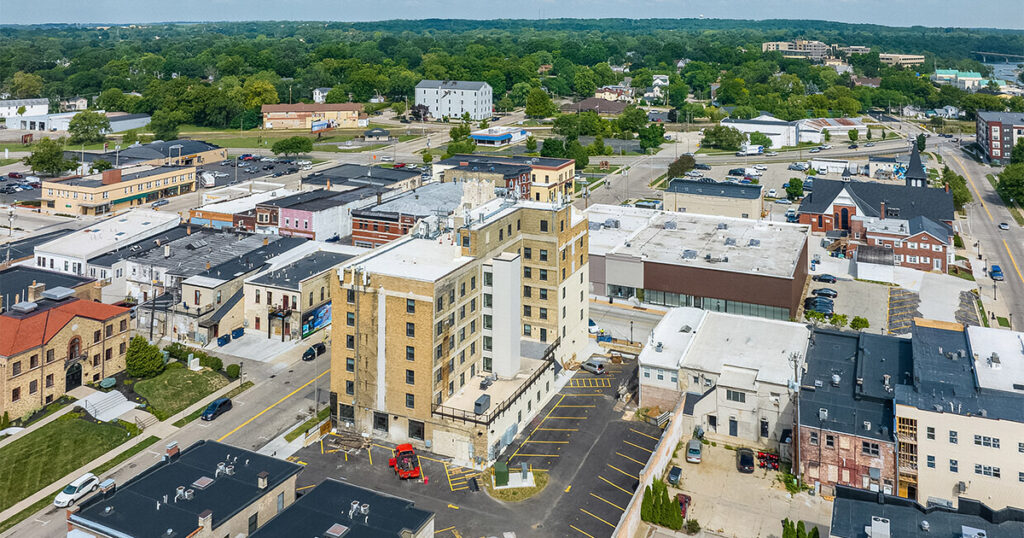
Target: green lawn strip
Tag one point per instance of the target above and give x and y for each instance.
(5, 162)
(195, 414)
(596, 169)
(50, 452)
(660, 182)
(126, 455)
(176, 389)
(313, 421)
(1014, 209)
(962, 273)
(981, 310)
(1003, 322)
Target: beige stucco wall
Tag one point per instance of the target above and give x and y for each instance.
(713, 205)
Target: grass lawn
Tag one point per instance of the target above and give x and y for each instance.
(5, 162)
(540, 479)
(52, 451)
(301, 429)
(176, 389)
(1003, 322)
(195, 414)
(596, 169)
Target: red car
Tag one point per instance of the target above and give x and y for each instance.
(404, 462)
(400, 165)
(15, 175)
(684, 503)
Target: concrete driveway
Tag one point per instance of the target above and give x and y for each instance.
(729, 503)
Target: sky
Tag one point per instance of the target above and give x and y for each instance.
(960, 13)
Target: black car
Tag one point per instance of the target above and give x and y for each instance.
(826, 292)
(314, 351)
(828, 279)
(292, 170)
(812, 303)
(702, 166)
(214, 410)
(404, 120)
(853, 146)
(745, 460)
(738, 172)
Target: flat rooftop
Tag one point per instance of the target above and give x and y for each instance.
(709, 242)
(110, 234)
(94, 181)
(289, 276)
(507, 171)
(240, 264)
(545, 162)
(414, 258)
(138, 247)
(25, 248)
(500, 207)
(245, 203)
(430, 199)
(500, 390)
(998, 357)
(16, 279)
(132, 509)
(190, 255)
(675, 339)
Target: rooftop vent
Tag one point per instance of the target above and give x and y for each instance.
(669, 225)
(58, 293)
(730, 241)
(822, 414)
(925, 526)
(202, 482)
(689, 254)
(723, 226)
(867, 425)
(24, 307)
(337, 530)
(835, 380)
(754, 243)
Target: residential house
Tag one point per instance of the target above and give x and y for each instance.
(320, 95)
(453, 98)
(74, 103)
(615, 92)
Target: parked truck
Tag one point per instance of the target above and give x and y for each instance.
(750, 149)
(208, 179)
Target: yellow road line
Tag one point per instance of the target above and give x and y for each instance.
(535, 429)
(289, 395)
(460, 489)
(630, 459)
(535, 456)
(444, 529)
(573, 527)
(567, 418)
(568, 406)
(638, 446)
(613, 484)
(621, 471)
(598, 497)
(368, 453)
(549, 442)
(452, 506)
(645, 435)
(580, 394)
(557, 429)
(977, 193)
(389, 449)
(305, 487)
(597, 518)
(429, 458)
(1013, 261)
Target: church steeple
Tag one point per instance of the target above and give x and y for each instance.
(915, 175)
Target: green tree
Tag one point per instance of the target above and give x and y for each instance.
(868, 134)
(632, 119)
(651, 136)
(111, 99)
(853, 134)
(646, 505)
(165, 123)
(336, 94)
(795, 190)
(87, 127)
(958, 187)
(936, 122)
(760, 139)
(921, 142)
(859, 323)
(101, 165)
(258, 92)
(1011, 182)
(292, 145)
(584, 82)
(427, 158)
(814, 317)
(828, 135)
(681, 166)
(26, 85)
(553, 147)
(814, 533)
(539, 104)
(398, 107)
(48, 157)
(143, 360)
(531, 144)
(723, 137)
(484, 123)
(1017, 155)
(801, 530)
(838, 320)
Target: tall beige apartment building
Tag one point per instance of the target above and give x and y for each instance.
(451, 338)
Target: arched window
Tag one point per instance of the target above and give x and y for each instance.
(74, 347)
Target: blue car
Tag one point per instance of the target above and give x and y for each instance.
(215, 408)
(995, 272)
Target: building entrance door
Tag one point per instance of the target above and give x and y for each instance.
(733, 427)
(73, 377)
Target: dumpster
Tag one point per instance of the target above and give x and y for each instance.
(223, 339)
(236, 333)
(500, 474)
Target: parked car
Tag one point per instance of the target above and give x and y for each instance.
(824, 277)
(783, 201)
(852, 146)
(995, 272)
(702, 166)
(744, 460)
(869, 145)
(15, 175)
(693, 173)
(404, 462)
(303, 163)
(214, 410)
(693, 451)
(738, 172)
(684, 503)
(304, 167)
(592, 327)
(160, 202)
(277, 174)
(314, 351)
(593, 367)
(1004, 226)
(674, 474)
(387, 158)
(760, 167)
(772, 193)
(826, 146)
(826, 292)
(220, 174)
(771, 154)
(815, 150)
(74, 491)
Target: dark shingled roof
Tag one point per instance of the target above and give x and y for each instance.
(915, 170)
(710, 187)
(329, 504)
(875, 254)
(133, 505)
(936, 204)
(849, 405)
(17, 279)
(853, 509)
(358, 174)
(551, 162)
(508, 171)
(938, 230)
(26, 248)
(289, 276)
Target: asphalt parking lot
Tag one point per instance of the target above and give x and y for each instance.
(582, 438)
(858, 298)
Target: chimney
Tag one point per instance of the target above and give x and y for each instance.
(111, 176)
(188, 229)
(206, 519)
(882, 212)
(266, 241)
(261, 479)
(35, 291)
(167, 251)
(172, 450)
(379, 196)
(947, 186)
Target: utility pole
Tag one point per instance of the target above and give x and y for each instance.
(152, 309)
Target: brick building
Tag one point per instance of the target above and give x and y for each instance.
(514, 178)
(997, 133)
(388, 220)
(304, 115)
(919, 243)
(549, 177)
(52, 343)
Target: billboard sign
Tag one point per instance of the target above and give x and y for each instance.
(317, 319)
(318, 126)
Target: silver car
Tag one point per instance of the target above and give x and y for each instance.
(593, 367)
(693, 451)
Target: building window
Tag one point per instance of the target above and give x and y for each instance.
(488, 279)
(954, 466)
(526, 330)
(869, 449)
(350, 387)
(350, 319)
(410, 400)
(543, 225)
(984, 440)
(472, 283)
(930, 433)
(350, 364)
(16, 368)
(124, 325)
(986, 470)
(410, 306)
(527, 253)
(527, 311)
(931, 462)
(350, 340)
(488, 321)
(735, 396)
(350, 296)
(813, 438)
(410, 377)
(527, 272)
(543, 313)
(410, 353)
(33, 386)
(410, 330)
(952, 437)
(416, 430)
(487, 300)
(543, 255)
(830, 441)
(542, 293)
(49, 355)
(253, 522)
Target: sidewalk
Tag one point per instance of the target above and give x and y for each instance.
(78, 394)
(162, 430)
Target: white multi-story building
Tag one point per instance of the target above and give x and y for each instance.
(32, 107)
(453, 98)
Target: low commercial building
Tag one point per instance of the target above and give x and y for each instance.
(377, 135)
(477, 314)
(499, 137)
(737, 384)
(293, 301)
(211, 490)
(813, 130)
(179, 152)
(116, 189)
(352, 176)
(454, 98)
(724, 264)
(380, 224)
(550, 178)
(306, 115)
(857, 513)
(71, 253)
(510, 179)
(782, 133)
(225, 214)
(997, 133)
(901, 60)
(61, 121)
(709, 197)
(845, 428)
(52, 342)
(327, 218)
(13, 108)
(109, 268)
(25, 283)
(363, 512)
